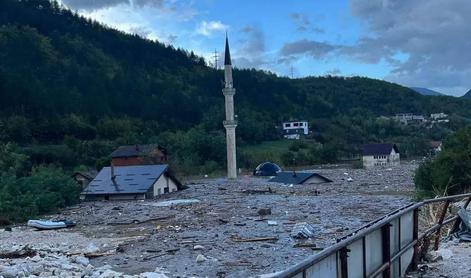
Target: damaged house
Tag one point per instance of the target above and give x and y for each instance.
(299, 178)
(139, 155)
(385, 154)
(136, 182)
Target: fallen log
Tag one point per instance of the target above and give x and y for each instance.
(135, 221)
(254, 239)
(22, 253)
(92, 255)
(258, 191)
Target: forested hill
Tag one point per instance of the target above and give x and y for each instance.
(69, 81)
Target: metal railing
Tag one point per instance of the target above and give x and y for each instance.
(386, 247)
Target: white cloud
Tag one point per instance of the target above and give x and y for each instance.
(207, 28)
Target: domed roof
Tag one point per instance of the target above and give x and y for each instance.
(267, 169)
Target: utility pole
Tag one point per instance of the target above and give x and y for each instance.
(215, 59)
(292, 72)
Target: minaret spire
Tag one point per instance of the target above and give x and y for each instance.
(230, 123)
(227, 53)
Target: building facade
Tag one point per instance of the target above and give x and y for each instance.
(295, 129)
(380, 155)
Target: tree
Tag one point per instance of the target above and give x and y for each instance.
(450, 171)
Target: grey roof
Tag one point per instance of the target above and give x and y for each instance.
(136, 179)
(296, 177)
(227, 53)
(135, 150)
(87, 174)
(379, 149)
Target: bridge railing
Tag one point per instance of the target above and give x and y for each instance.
(386, 247)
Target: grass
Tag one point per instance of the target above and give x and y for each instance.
(278, 146)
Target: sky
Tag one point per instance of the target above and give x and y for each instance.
(418, 43)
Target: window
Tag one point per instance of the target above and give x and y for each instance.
(295, 124)
(166, 189)
(287, 125)
(159, 191)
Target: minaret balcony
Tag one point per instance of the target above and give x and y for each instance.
(230, 123)
(228, 91)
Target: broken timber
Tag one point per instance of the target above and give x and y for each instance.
(254, 239)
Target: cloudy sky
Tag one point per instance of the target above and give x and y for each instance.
(422, 43)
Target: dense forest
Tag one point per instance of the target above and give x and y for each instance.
(71, 90)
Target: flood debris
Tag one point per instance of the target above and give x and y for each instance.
(50, 224)
(182, 202)
(253, 239)
(200, 258)
(264, 211)
(239, 251)
(302, 230)
(24, 252)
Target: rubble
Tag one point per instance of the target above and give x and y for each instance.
(302, 230)
(149, 235)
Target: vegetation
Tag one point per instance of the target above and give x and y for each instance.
(27, 192)
(448, 172)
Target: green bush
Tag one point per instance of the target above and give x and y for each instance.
(450, 171)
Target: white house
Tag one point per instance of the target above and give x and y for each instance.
(409, 118)
(296, 129)
(135, 182)
(439, 118)
(380, 155)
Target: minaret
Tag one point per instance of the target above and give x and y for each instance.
(230, 123)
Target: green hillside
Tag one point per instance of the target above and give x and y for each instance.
(71, 90)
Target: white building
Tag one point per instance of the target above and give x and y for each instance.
(295, 129)
(439, 118)
(380, 155)
(409, 118)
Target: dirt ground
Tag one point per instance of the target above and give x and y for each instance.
(454, 262)
(141, 235)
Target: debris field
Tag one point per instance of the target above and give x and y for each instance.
(224, 228)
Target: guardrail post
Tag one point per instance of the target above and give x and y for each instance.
(440, 221)
(343, 262)
(386, 243)
(415, 236)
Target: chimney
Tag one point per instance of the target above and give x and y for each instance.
(113, 176)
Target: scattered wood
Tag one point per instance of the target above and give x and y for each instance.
(223, 221)
(253, 239)
(304, 245)
(153, 257)
(22, 253)
(140, 221)
(258, 191)
(92, 255)
(172, 250)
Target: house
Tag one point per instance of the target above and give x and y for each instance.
(296, 129)
(435, 146)
(409, 118)
(439, 118)
(138, 155)
(380, 155)
(299, 178)
(83, 178)
(136, 182)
